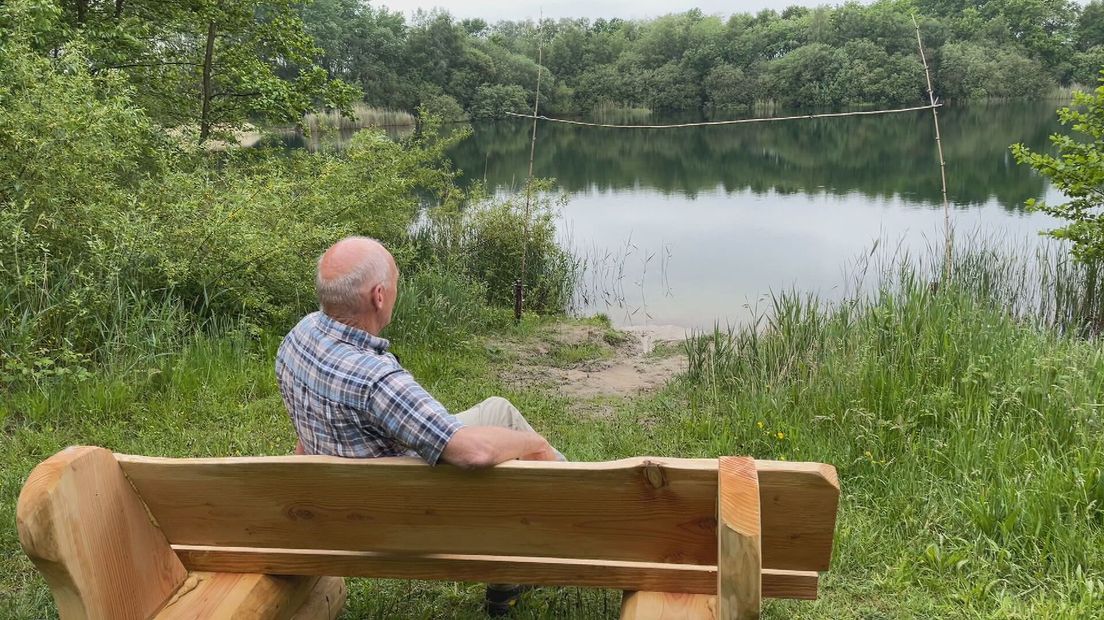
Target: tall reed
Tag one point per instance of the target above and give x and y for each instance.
(363, 116)
(963, 417)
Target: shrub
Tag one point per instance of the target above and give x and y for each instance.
(495, 100)
(486, 240)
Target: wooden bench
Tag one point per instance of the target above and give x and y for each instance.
(121, 536)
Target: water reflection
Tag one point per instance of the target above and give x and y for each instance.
(877, 156)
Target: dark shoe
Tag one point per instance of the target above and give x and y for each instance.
(502, 598)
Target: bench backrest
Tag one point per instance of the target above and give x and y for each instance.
(641, 523)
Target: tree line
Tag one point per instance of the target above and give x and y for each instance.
(799, 57)
(212, 64)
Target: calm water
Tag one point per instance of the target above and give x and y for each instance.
(693, 226)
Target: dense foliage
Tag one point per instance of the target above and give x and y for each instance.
(196, 64)
(827, 56)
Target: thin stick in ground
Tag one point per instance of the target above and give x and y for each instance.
(520, 293)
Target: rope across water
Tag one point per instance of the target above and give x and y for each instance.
(730, 122)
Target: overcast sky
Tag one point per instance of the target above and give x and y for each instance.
(494, 10)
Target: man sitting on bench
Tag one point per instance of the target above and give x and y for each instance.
(348, 396)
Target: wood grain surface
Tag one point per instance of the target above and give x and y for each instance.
(739, 561)
(497, 569)
(87, 531)
(668, 606)
(642, 509)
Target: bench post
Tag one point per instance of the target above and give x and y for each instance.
(89, 533)
(739, 553)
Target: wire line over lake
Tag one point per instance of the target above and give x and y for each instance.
(728, 122)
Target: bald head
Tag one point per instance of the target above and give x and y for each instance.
(349, 274)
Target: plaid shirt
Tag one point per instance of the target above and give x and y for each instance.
(347, 396)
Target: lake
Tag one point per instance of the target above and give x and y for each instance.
(694, 226)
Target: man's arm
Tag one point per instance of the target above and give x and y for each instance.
(474, 447)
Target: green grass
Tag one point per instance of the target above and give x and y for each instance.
(968, 443)
(573, 354)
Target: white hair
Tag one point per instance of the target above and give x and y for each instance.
(342, 295)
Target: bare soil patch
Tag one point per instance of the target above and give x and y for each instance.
(593, 362)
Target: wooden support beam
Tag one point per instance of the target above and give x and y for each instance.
(739, 557)
(450, 567)
(242, 596)
(87, 531)
(687, 578)
(668, 606)
(325, 602)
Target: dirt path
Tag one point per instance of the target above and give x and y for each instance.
(590, 363)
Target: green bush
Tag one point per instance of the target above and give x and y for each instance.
(486, 238)
(495, 100)
(444, 107)
(973, 71)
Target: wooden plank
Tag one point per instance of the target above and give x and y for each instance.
(87, 531)
(792, 584)
(325, 601)
(451, 567)
(798, 504)
(668, 606)
(644, 509)
(240, 596)
(739, 561)
(492, 569)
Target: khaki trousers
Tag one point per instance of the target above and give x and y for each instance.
(497, 411)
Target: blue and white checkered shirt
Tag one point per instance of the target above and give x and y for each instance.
(347, 396)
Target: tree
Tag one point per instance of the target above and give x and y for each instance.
(869, 75)
(1090, 26)
(972, 71)
(671, 88)
(210, 63)
(806, 77)
(726, 88)
(1078, 171)
(493, 101)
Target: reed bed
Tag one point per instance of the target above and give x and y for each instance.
(363, 116)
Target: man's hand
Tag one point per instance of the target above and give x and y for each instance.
(547, 453)
(474, 447)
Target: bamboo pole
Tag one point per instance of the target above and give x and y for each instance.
(948, 234)
(519, 289)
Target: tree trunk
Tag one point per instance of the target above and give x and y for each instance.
(208, 56)
(119, 8)
(82, 11)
